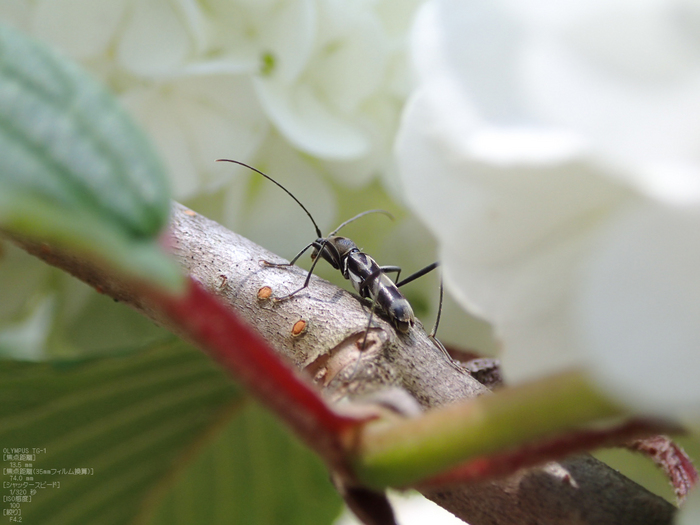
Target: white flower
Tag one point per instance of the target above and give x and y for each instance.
(212, 79)
(553, 148)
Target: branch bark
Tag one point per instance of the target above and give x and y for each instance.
(580, 490)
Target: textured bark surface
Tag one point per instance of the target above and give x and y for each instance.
(580, 490)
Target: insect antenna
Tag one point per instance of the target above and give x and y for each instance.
(384, 212)
(318, 230)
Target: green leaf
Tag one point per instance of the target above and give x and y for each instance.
(412, 450)
(74, 168)
(254, 473)
(166, 433)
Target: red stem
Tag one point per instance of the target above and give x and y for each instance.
(504, 463)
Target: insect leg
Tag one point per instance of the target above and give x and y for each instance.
(308, 275)
(290, 263)
(413, 277)
(364, 341)
(365, 282)
(439, 313)
(433, 332)
(369, 324)
(419, 273)
(390, 269)
(455, 364)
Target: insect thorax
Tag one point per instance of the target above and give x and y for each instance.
(335, 250)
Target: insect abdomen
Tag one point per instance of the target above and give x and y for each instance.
(395, 305)
(367, 278)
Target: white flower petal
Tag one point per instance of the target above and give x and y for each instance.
(337, 109)
(506, 210)
(196, 22)
(623, 77)
(504, 146)
(198, 120)
(397, 17)
(289, 32)
(528, 317)
(474, 47)
(166, 129)
(310, 125)
(352, 57)
(639, 306)
(156, 39)
(17, 13)
(536, 128)
(648, 134)
(282, 32)
(511, 238)
(223, 117)
(83, 29)
(218, 67)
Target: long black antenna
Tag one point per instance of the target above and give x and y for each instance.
(358, 216)
(318, 230)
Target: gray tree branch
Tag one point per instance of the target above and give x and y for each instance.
(580, 490)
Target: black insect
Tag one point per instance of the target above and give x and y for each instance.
(368, 278)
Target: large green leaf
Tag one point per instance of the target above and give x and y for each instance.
(169, 439)
(74, 169)
(254, 473)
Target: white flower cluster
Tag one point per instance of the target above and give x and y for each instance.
(215, 78)
(554, 149)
